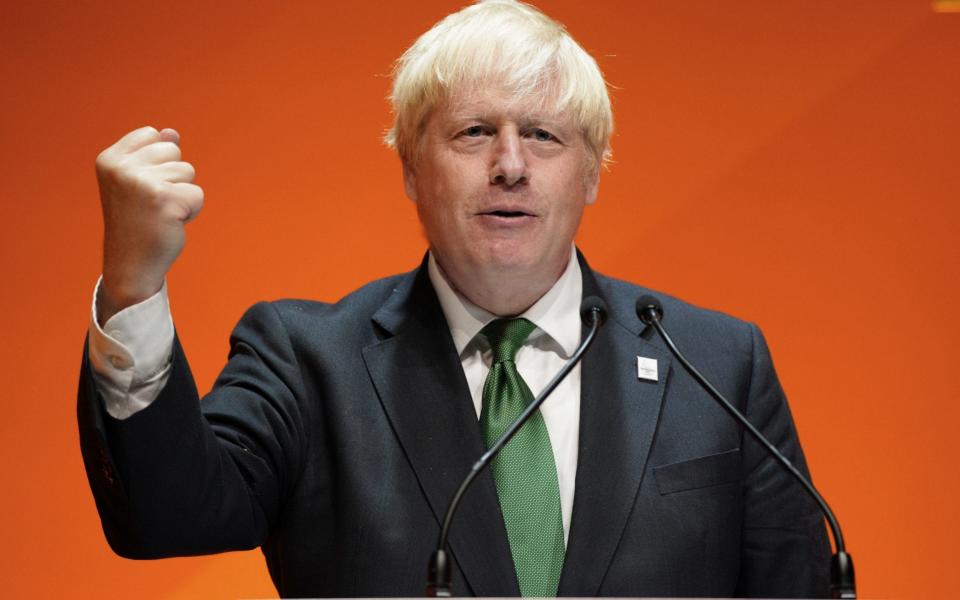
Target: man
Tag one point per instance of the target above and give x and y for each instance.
(337, 434)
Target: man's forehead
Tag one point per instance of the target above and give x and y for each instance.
(495, 104)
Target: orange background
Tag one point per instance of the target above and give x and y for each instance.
(792, 163)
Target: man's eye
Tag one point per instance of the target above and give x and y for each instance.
(473, 131)
(542, 135)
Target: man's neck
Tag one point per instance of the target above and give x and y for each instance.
(556, 313)
(502, 293)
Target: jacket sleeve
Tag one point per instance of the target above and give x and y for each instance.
(185, 477)
(784, 549)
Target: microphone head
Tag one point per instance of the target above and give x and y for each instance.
(647, 307)
(593, 308)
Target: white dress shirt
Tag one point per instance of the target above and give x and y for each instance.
(131, 354)
(557, 317)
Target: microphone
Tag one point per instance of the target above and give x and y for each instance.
(593, 309)
(842, 584)
(593, 312)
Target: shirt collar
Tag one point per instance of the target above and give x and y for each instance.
(556, 313)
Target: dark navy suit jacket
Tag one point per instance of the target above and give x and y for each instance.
(337, 433)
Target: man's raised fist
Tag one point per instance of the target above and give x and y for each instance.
(148, 195)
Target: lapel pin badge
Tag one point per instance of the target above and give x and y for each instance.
(646, 368)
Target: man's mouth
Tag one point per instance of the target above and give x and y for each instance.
(507, 213)
(507, 210)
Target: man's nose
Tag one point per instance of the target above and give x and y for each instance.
(509, 165)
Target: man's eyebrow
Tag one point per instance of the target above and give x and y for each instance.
(523, 122)
(471, 115)
(540, 121)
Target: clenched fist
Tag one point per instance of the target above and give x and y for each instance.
(148, 196)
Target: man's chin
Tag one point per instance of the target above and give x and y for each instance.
(517, 263)
(504, 258)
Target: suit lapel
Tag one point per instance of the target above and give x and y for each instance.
(420, 382)
(618, 418)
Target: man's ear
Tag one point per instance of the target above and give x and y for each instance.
(593, 184)
(409, 181)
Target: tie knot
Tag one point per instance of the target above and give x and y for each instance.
(506, 336)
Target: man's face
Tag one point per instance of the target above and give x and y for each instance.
(500, 186)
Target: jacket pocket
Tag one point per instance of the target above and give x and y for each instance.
(705, 471)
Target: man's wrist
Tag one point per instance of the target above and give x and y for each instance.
(112, 298)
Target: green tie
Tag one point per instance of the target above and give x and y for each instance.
(524, 471)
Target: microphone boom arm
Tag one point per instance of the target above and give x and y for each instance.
(842, 584)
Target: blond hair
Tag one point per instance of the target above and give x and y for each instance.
(504, 43)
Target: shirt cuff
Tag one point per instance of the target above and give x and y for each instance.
(131, 353)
